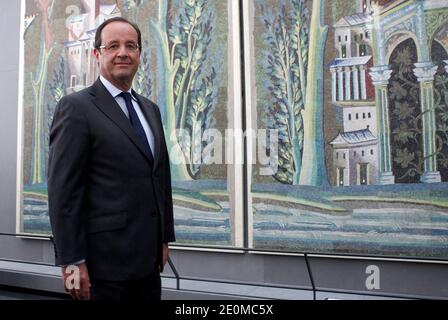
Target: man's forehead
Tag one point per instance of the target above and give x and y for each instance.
(119, 28)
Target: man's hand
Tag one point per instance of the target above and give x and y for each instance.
(165, 253)
(76, 281)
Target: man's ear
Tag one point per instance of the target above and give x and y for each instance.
(96, 53)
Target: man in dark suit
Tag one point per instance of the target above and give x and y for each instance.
(109, 187)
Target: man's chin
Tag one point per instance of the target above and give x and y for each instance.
(124, 77)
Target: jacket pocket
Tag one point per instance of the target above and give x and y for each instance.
(109, 222)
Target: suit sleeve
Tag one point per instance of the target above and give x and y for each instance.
(68, 156)
(169, 235)
(168, 216)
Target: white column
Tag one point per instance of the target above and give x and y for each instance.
(363, 83)
(334, 80)
(341, 84)
(355, 70)
(425, 72)
(380, 78)
(348, 80)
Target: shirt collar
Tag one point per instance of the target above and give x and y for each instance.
(113, 90)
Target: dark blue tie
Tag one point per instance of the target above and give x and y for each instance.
(136, 124)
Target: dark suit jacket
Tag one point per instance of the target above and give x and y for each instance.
(108, 203)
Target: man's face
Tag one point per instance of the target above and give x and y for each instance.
(120, 66)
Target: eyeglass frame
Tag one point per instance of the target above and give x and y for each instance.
(107, 47)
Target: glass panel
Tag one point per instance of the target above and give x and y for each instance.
(315, 201)
(184, 69)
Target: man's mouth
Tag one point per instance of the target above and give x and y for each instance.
(122, 63)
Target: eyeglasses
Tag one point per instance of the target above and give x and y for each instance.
(114, 47)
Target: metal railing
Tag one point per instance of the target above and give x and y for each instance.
(305, 255)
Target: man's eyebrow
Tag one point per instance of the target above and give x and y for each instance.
(126, 42)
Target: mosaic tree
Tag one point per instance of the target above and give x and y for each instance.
(184, 30)
(133, 7)
(38, 83)
(294, 62)
(57, 88)
(314, 172)
(285, 63)
(142, 81)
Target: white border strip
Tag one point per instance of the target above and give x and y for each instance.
(270, 253)
(235, 148)
(19, 181)
(377, 259)
(217, 250)
(291, 254)
(251, 110)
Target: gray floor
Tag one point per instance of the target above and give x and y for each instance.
(17, 295)
(170, 294)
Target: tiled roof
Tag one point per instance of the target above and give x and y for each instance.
(353, 20)
(354, 137)
(348, 62)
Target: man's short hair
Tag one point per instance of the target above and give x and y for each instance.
(116, 19)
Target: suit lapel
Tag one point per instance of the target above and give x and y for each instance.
(107, 104)
(157, 130)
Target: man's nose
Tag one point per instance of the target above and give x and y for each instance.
(122, 51)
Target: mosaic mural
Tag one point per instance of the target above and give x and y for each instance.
(357, 91)
(352, 96)
(183, 69)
